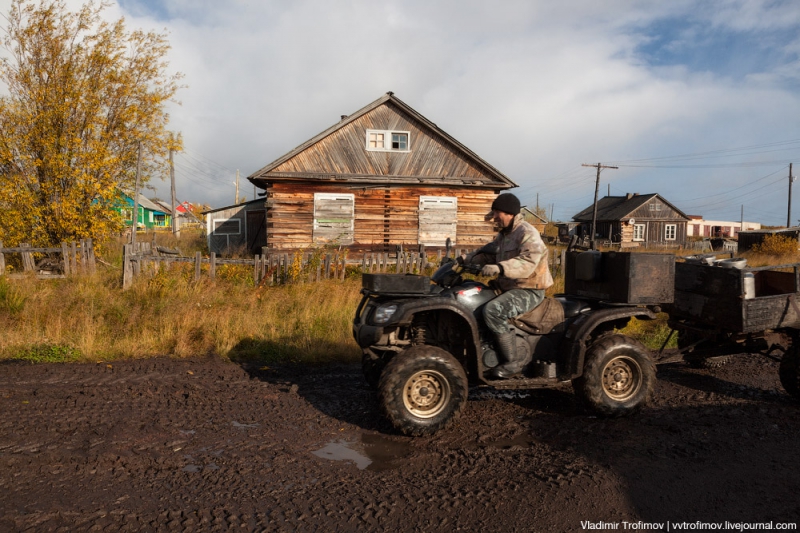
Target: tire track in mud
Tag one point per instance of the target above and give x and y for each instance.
(206, 445)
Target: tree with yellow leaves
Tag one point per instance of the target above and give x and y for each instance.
(82, 93)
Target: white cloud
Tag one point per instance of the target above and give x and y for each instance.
(534, 87)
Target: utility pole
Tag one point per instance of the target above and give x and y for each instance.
(136, 195)
(789, 214)
(596, 191)
(741, 223)
(175, 229)
(237, 187)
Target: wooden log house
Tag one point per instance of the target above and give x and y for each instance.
(382, 177)
(637, 220)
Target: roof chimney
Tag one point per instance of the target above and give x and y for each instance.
(344, 117)
(629, 195)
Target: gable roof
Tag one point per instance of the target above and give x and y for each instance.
(270, 172)
(146, 203)
(531, 213)
(621, 207)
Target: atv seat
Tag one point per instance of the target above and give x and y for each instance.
(571, 307)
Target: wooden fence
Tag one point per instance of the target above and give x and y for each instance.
(276, 268)
(68, 259)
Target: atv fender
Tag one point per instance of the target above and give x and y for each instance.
(580, 330)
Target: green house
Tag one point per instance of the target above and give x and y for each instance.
(150, 216)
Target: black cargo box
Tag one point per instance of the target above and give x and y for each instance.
(621, 277)
(396, 283)
(716, 297)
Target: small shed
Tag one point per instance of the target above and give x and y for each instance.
(237, 228)
(748, 239)
(537, 221)
(636, 219)
(381, 177)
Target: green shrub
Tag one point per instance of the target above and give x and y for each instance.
(49, 353)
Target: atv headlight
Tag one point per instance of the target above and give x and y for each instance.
(384, 313)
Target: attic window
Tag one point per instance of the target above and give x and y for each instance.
(388, 141)
(655, 207)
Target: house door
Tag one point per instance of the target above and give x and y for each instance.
(256, 230)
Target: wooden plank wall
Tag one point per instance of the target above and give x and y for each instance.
(384, 216)
(344, 152)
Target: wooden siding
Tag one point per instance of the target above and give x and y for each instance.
(384, 216)
(248, 229)
(343, 153)
(665, 213)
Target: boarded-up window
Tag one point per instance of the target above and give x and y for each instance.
(333, 218)
(437, 219)
(229, 226)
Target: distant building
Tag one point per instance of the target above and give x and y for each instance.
(150, 216)
(635, 219)
(699, 227)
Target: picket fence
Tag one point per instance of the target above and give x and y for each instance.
(277, 268)
(57, 262)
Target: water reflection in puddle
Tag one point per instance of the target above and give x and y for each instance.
(374, 452)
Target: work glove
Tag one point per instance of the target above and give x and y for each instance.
(490, 270)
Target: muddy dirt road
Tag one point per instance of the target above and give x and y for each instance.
(206, 445)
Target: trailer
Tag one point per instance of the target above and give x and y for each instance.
(721, 308)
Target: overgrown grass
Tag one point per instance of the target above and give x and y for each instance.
(89, 318)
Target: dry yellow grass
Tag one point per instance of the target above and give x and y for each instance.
(91, 318)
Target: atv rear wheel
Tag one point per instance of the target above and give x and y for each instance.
(618, 376)
(789, 371)
(422, 390)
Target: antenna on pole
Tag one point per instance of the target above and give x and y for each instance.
(594, 210)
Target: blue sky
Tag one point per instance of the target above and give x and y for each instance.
(697, 101)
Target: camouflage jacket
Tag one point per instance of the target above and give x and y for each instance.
(521, 253)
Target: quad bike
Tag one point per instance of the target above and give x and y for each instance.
(425, 343)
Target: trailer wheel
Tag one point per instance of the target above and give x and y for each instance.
(618, 376)
(789, 371)
(372, 367)
(422, 390)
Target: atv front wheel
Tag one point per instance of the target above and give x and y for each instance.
(618, 376)
(422, 390)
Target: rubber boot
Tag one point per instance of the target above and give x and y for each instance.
(512, 362)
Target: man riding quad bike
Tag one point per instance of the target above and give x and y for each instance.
(424, 343)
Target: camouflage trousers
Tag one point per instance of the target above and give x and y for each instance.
(510, 304)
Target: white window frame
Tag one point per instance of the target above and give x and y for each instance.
(434, 204)
(641, 229)
(223, 220)
(334, 196)
(387, 141)
(670, 232)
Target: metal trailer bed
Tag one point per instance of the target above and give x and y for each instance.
(718, 312)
